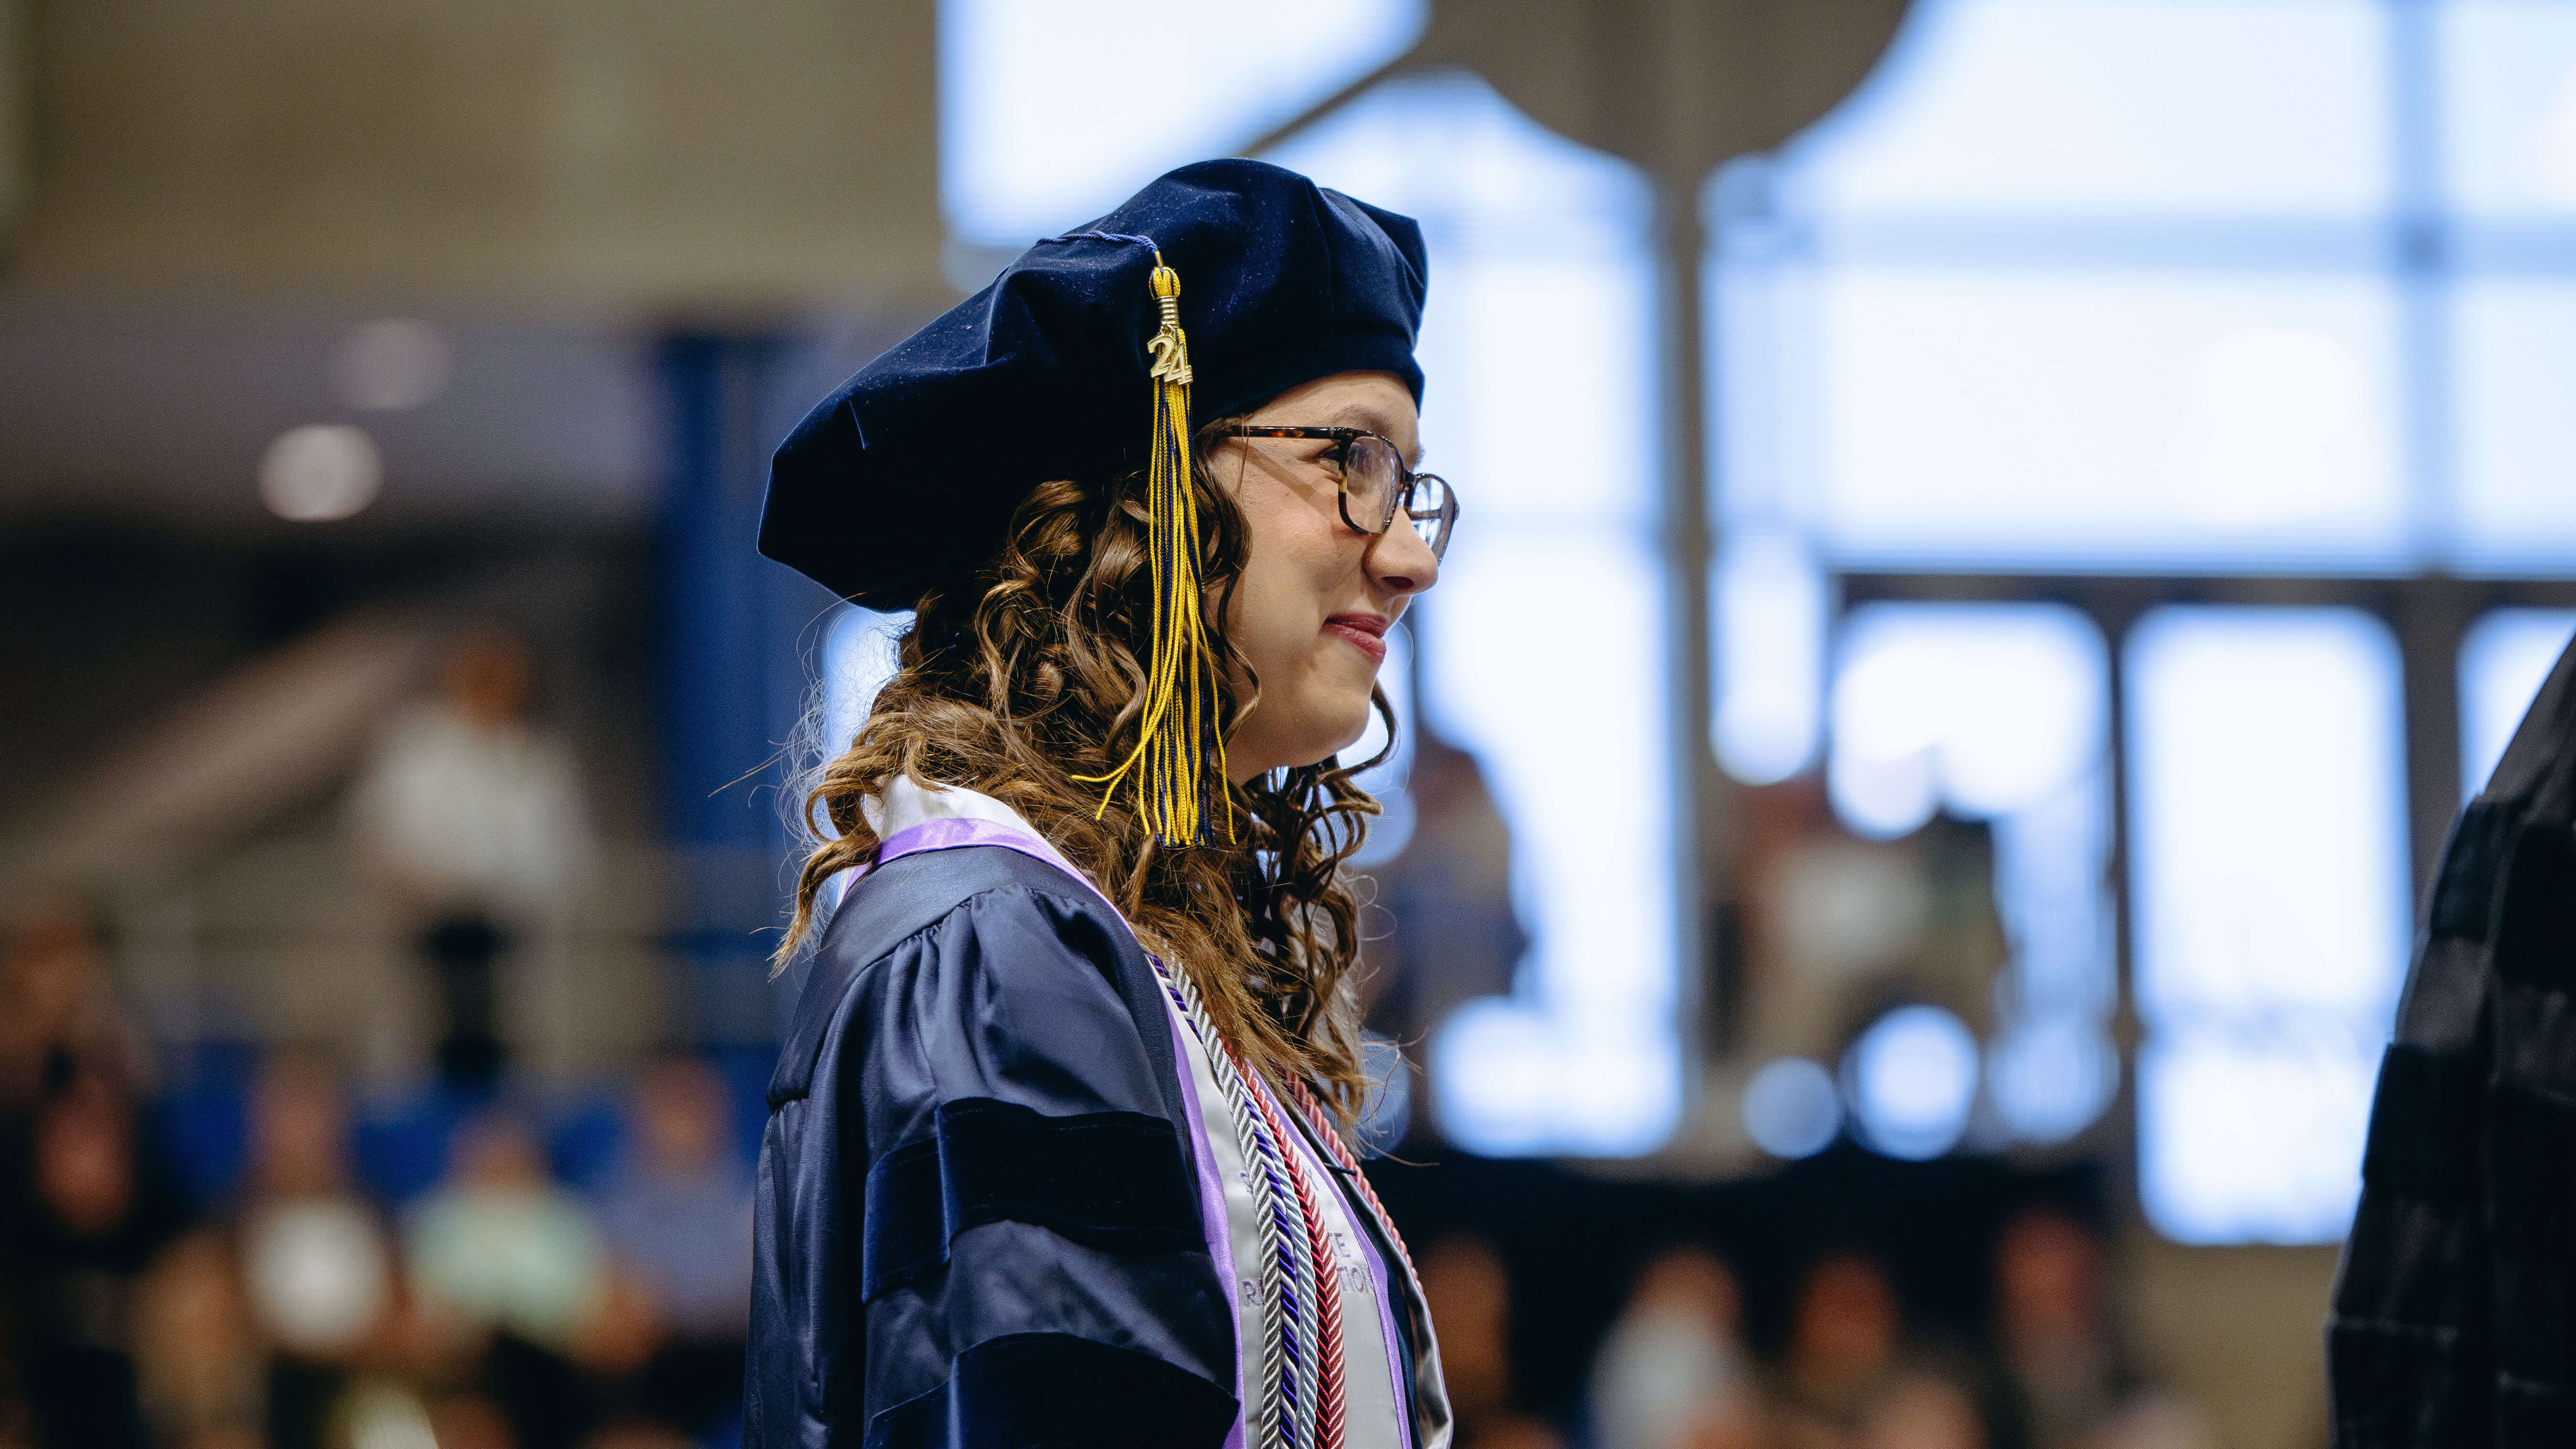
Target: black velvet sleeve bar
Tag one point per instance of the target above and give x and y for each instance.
(1103, 1178)
(978, 1220)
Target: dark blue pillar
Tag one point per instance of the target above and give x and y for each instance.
(736, 630)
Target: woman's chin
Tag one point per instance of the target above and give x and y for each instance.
(1354, 729)
(1324, 733)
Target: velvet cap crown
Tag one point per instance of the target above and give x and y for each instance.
(908, 473)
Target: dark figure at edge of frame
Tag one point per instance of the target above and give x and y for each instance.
(2451, 1322)
(1056, 1150)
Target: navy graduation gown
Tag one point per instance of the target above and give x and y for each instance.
(977, 1219)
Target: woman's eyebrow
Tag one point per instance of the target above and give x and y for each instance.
(1361, 415)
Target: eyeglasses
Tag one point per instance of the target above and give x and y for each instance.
(1376, 484)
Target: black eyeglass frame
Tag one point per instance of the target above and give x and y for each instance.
(1405, 478)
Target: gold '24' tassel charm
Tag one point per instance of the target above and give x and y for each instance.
(1169, 766)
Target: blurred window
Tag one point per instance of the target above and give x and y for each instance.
(1050, 114)
(2077, 289)
(2268, 833)
(860, 654)
(1770, 602)
(1791, 1108)
(2504, 659)
(1998, 712)
(1545, 641)
(1987, 709)
(1912, 1078)
(2070, 292)
(2011, 417)
(2515, 453)
(2508, 126)
(2111, 284)
(1542, 344)
(2113, 108)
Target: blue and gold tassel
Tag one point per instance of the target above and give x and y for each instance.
(1169, 768)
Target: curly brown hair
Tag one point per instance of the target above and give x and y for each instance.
(1029, 673)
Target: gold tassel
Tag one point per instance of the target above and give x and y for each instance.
(1180, 726)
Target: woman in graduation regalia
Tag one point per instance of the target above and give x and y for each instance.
(1056, 1146)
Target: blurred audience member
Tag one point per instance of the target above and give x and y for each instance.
(316, 1258)
(501, 1247)
(1920, 1411)
(84, 1206)
(1672, 1374)
(679, 1216)
(1469, 1292)
(58, 1014)
(200, 1364)
(1843, 1341)
(2061, 1365)
(1846, 1379)
(473, 819)
(316, 1255)
(1830, 921)
(506, 1261)
(1448, 930)
(90, 1222)
(470, 1421)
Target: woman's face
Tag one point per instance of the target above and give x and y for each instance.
(1317, 596)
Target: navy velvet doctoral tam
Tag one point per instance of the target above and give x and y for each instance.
(908, 473)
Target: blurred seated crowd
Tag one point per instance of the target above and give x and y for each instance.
(1675, 1372)
(251, 1259)
(254, 1257)
(1678, 1368)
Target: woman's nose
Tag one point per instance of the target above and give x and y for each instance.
(1400, 561)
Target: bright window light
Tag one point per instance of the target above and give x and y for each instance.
(2516, 435)
(2268, 844)
(1990, 708)
(2509, 106)
(1769, 598)
(860, 653)
(2252, 1137)
(2504, 659)
(2012, 417)
(2053, 1068)
(2270, 850)
(1534, 690)
(1791, 1108)
(1999, 712)
(1912, 1078)
(1050, 114)
(1538, 344)
(862, 649)
(2051, 1075)
(2122, 107)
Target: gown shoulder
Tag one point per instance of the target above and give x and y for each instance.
(977, 1186)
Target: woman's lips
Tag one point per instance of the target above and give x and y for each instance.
(1362, 631)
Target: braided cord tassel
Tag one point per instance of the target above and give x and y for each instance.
(1298, 1245)
(1322, 1121)
(1168, 769)
(1286, 1412)
(1329, 1407)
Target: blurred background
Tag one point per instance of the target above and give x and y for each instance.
(1998, 534)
